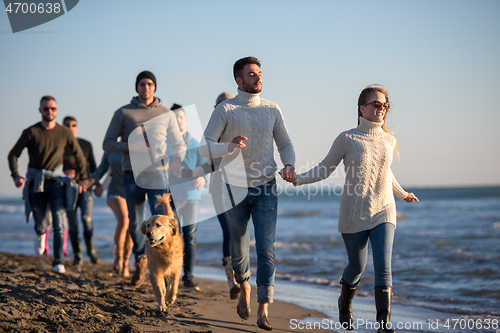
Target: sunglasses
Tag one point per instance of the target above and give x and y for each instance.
(379, 105)
(45, 108)
(70, 125)
(143, 84)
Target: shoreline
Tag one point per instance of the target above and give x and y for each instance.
(32, 297)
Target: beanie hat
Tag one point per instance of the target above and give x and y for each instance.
(222, 97)
(176, 106)
(145, 75)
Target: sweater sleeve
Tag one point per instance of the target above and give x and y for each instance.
(210, 147)
(396, 188)
(326, 167)
(283, 141)
(16, 152)
(111, 143)
(102, 168)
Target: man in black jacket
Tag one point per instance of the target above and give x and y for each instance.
(85, 201)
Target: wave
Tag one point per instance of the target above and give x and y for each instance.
(292, 245)
(298, 278)
(11, 209)
(307, 212)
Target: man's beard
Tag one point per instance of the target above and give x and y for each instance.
(48, 118)
(253, 90)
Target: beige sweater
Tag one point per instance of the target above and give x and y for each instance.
(367, 199)
(260, 121)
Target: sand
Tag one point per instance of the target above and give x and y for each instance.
(35, 299)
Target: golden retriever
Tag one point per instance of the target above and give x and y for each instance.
(164, 253)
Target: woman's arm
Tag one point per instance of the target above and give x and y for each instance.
(326, 167)
(101, 169)
(400, 192)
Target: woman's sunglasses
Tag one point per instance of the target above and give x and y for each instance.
(379, 105)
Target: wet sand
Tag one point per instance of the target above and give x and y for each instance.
(35, 299)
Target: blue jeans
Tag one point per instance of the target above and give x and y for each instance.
(226, 238)
(85, 202)
(381, 237)
(186, 212)
(53, 194)
(136, 204)
(261, 203)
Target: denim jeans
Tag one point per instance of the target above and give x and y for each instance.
(186, 212)
(85, 202)
(136, 204)
(261, 204)
(381, 238)
(53, 194)
(226, 239)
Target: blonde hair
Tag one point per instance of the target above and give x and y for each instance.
(363, 98)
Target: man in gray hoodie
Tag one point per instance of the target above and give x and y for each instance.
(158, 125)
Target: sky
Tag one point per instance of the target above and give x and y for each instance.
(439, 60)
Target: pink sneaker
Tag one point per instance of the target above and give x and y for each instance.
(65, 243)
(47, 249)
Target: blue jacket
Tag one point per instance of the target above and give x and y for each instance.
(183, 188)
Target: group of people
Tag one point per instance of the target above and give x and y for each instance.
(241, 128)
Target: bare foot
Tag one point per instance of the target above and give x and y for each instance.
(243, 307)
(263, 317)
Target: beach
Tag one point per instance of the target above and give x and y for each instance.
(445, 271)
(35, 299)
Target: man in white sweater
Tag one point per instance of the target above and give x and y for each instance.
(243, 128)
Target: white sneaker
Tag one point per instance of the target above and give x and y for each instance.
(40, 244)
(59, 269)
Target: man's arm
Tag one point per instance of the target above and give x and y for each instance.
(210, 147)
(111, 143)
(14, 156)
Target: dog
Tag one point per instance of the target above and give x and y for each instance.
(164, 253)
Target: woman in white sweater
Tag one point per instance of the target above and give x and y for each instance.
(367, 206)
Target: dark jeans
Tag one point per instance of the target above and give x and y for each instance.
(186, 212)
(381, 237)
(136, 204)
(85, 202)
(53, 194)
(226, 238)
(261, 204)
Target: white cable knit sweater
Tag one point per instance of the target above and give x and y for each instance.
(367, 199)
(260, 121)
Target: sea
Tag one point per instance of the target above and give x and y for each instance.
(446, 257)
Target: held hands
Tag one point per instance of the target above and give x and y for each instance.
(288, 174)
(411, 198)
(237, 142)
(84, 185)
(98, 190)
(19, 181)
